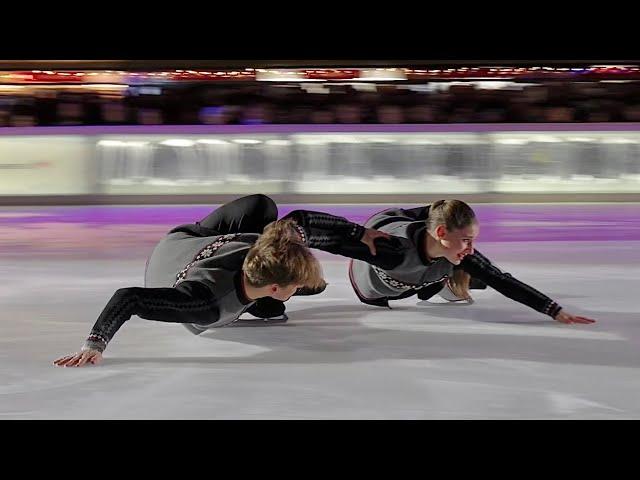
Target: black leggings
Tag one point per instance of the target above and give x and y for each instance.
(250, 214)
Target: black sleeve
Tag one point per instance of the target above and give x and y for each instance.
(479, 266)
(398, 215)
(325, 230)
(188, 302)
(415, 214)
(339, 236)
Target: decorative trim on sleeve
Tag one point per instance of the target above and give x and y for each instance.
(95, 342)
(301, 232)
(357, 232)
(552, 309)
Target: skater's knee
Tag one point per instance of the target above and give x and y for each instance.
(262, 205)
(262, 200)
(268, 205)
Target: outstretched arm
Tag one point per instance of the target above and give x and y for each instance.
(323, 230)
(340, 236)
(188, 302)
(479, 266)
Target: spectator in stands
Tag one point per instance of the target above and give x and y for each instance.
(23, 114)
(114, 113)
(69, 111)
(4, 117)
(421, 113)
(215, 115)
(220, 104)
(322, 115)
(389, 114)
(631, 113)
(257, 114)
(348, 113)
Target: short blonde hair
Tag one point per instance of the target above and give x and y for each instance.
(281, 257)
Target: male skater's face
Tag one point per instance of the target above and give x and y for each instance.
(283, 293)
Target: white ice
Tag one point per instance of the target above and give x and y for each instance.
(335, 358)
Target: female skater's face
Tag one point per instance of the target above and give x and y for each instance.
(283, 293)
(458, 243)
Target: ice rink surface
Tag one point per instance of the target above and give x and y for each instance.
(335, 358)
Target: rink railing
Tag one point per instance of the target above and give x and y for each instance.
(320, 163)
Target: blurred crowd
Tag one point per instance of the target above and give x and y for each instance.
(252, 104)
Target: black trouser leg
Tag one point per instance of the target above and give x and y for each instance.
(248, 214)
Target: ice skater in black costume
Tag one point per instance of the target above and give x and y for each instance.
(432, 252)
(238, 258)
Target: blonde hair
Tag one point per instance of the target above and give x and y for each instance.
(459, 283)
(453, 214)
(281, 257)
